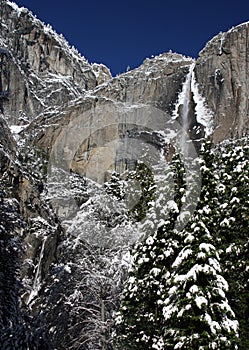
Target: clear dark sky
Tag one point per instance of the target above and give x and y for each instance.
(123, 33)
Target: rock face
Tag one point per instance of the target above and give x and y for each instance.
(94, 131)
(222, 74)
(37, 217)
(39, 68)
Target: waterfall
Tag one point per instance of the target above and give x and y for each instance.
(185, 109)
(37, 279)
(182, 109)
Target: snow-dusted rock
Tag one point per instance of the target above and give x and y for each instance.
(41, 69)
(223, 77)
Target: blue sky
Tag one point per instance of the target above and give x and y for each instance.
(123, 33)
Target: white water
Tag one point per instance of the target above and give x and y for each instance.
(37, 279)
(186, 90)
(203, 114)
(182, 110)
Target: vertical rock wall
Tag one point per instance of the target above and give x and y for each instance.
(222, 71)
(43, 70)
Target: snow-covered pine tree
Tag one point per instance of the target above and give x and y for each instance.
(176, 295)
(140, 318)
(196, 311)
(224, 210)
(135, 188)
(143, 182)
(231, 177)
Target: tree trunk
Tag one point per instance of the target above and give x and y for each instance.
(102, 304)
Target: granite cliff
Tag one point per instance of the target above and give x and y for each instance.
(222, 74)
(68, 130)
(39, 67)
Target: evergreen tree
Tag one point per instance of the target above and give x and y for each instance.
(142, 191)
(225, 213)
(196, 311)
(232, 221)
(176, 296)
(139, 321)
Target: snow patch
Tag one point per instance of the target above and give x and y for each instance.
(18, 9)
(184, 254)
(222, 38)
(200, 300)
(203, 115)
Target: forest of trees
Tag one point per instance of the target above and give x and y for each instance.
(188, 289)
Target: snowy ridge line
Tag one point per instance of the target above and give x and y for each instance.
(47, 29)
(18, 9)
(149, 65)
(239, 26)
(220, 37)
(169, 57)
